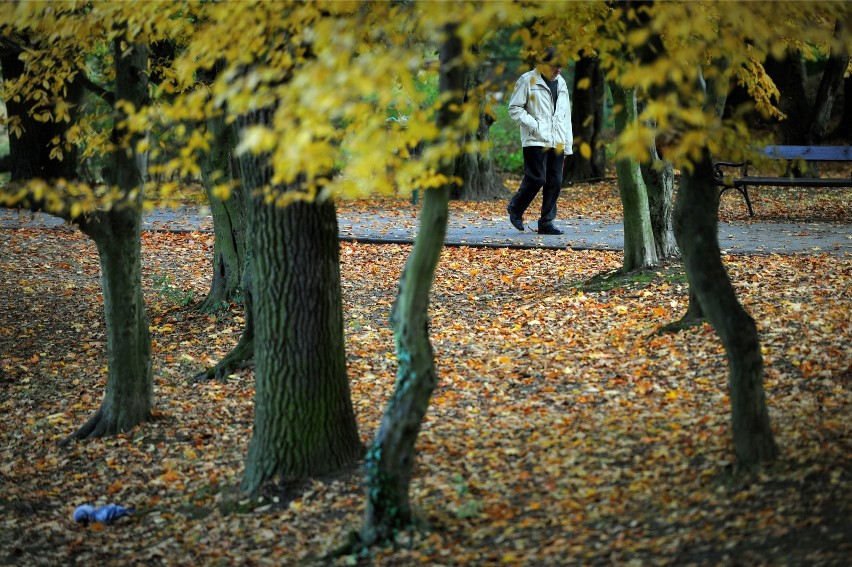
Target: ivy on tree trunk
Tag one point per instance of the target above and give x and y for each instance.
(639, 247)
(390, 460)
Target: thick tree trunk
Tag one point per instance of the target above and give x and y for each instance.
(587, 106)
(481, 182)
(390, 459)
(639, 248)
(129, 392)
(304, 424)
(229, 217)
(130, 388)
(788, 74)
(659, 181)
(697, 226)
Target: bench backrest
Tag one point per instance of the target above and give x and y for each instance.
(809, 153)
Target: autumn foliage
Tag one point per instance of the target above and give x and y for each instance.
(564, 430)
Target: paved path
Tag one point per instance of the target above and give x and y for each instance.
(494, 231)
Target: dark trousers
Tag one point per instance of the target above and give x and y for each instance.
(542, 168)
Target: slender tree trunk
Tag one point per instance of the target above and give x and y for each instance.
(697, 226)
(477, 170)
(829, 86)
(639, 247)
(390, 459)
(843, 131)
(587, 106)
(229, 216)
(117, 233)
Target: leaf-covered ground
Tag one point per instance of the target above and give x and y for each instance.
(564, 430)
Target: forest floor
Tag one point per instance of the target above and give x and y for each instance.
(565, 429)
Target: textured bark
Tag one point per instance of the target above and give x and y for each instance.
(390, 460)
(639, 247)
(658, 177)
(304, 424)
(697, 226)
(130, 388)
(587, 107)
(229, 217)
(129, 392)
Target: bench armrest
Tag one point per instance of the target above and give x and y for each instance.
(719, 175)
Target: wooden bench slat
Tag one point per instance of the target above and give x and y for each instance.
(809, 153)
(794, 181)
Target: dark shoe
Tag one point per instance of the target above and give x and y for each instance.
(516, 220)
(549, 229)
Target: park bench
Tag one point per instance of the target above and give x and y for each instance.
(742, 181)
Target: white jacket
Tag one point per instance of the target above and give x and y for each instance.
(531, 107)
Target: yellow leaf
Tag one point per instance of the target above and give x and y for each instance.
(586, 150)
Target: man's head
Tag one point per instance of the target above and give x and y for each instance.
(551, 65)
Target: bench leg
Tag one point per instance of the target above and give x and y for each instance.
(744, 191)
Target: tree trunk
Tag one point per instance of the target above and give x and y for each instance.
(129, 393)
(130, 388)
(477, 171)
(697, 226)
(29, 154)
(788, 74)
(390, 459)
(639, 247)
(242, 355)
(304, 424)
(829, 86)
(229, 216)
(658, 177)
(587, 106)
(843, 131)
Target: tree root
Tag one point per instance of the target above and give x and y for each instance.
(99, 425)
(241, 356)
(682, 324)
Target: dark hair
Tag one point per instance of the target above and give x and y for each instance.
(550, 56)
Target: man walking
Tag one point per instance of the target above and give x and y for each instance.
(541, 107)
